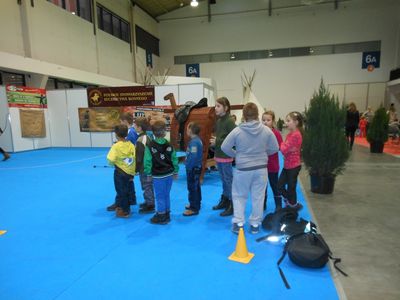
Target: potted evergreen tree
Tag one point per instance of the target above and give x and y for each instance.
(378, 131)
(325, 149)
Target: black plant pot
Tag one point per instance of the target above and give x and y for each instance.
(322, 184)
(376, 147)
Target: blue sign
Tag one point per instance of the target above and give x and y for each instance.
(371, 59)
(149, 59)
(193, 70)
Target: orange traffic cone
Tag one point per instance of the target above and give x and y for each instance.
(2, 232)
(241, 254)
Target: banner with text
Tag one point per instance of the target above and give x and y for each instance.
(104, 119)
(121, 96)
(22, 96)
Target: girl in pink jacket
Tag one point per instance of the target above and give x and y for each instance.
(291, 150)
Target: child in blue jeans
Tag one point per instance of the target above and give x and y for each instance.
(161, 163)
(122, 156)
(194, 161)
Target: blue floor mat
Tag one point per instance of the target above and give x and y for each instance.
(61, 243)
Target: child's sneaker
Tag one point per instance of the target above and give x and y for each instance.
(119, 213)
(112, 207)
(254, 229)
(146, 209)
(236, 227)
(160, 219)
(190, 212)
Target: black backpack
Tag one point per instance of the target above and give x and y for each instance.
(274, 221)
(308, 250)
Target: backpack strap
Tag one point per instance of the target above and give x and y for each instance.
(280, 270)
(337, 260)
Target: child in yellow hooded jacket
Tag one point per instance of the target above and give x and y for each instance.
(122, 156)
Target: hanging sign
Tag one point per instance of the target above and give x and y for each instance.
(28, 97)
(149, 59)
(121, 96)
(193, 70)
(371, 60)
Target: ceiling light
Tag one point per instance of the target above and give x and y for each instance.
(233, 56)
(73, 13)
(311, 50)
(270, 54)
(194, 3)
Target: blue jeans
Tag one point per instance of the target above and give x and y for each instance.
(225, 170)
(194, 189)
(147, 188)
(162, 188)
(123, 187)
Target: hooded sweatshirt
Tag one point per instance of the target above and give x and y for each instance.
(253, 143)
(122, 156)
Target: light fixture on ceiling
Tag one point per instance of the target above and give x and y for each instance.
(194, 3)
(270, 54)
(73, 13)
(311, 50)
(233, 56)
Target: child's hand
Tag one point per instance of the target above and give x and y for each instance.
(175, 176)
(212, 140)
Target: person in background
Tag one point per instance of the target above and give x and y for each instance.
(394, 128)
(193, 163)
(161, 163)
(223, 127)
(250, 143)
(362, 125)
(141, 125)
(5, 154)
(268, 119)
(368, 115)
(352, 120)
(122, 156)
(291, 150)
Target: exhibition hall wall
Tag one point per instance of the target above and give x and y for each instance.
(284, 84)
(46, 39)
(62, 119)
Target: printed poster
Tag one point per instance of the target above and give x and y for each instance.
(27, 97)
(32, 123)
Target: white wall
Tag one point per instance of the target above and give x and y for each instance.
(284, 84)
(6, 137)
(12, 139)
(64, 118)
(49, 35)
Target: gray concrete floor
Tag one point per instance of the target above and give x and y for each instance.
(361, 223)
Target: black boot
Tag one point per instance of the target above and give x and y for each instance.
(160, 219)
(223, 203)
(228, 211)
(278, 203)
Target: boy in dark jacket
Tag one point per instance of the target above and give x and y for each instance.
(161, 163)
(141, 125)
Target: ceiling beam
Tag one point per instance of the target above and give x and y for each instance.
(270, 8)
(209, 10)
(145, 10)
